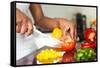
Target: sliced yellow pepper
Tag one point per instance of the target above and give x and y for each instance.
(48, 56)
(57, 33)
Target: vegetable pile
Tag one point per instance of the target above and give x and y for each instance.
(85, 54)
(48, 56)
(87, 50)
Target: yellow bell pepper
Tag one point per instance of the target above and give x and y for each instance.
(48, 56)
(57, 33)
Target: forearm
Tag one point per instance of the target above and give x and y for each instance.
(36, 11)
(48, 23)
(41, 20)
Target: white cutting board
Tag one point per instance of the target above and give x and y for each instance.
(26, 45)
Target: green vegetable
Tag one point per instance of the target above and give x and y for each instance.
(85, 54)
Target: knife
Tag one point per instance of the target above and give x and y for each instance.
(42, 39)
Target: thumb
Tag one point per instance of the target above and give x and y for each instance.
(72, 33)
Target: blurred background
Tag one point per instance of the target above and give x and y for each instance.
(69, 12)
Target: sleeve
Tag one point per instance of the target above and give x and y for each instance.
(24, 7)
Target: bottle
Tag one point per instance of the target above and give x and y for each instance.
(84, 23)
(79, 23)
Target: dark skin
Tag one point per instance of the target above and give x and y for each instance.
(42, 21)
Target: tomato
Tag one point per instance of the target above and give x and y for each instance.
(68, 44)
(90, 35)
(68, 57)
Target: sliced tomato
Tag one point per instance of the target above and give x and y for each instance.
(68, 57)
(68, 44)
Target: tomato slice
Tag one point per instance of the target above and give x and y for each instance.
(68, 44)
(68, 56)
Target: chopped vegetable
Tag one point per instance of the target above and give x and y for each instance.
(90, 35)
(88, 45)
(85, 54)
(48, 56)
(68, 56)
(57, 33)
(68, 44)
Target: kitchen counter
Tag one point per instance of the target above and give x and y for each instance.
(30, 59)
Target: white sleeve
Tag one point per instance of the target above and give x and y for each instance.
(24, 7)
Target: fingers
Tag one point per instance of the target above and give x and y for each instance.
(18, 25)
(63, 38)
(29, 29)
(18, 28)
(75, 34)
(23, 23)
(63, 27)
(73, 31)
(24, 27)
(68, 27)
(64, 31)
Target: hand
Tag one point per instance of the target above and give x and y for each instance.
(23, 23)
(67, 27)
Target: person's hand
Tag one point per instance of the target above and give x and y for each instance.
(67, 27)
(23, 23)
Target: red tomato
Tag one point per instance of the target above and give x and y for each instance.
(68, 44)
(68, 57)
(90, 35)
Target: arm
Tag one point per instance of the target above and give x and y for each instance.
(40, 19)
(50, 23)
